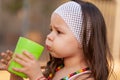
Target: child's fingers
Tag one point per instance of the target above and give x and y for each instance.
(18, 69)
(4, 61)
(23, 63)
(30, 56)
(8, 58)
(22, 57)
(10, 53)
(4, 55)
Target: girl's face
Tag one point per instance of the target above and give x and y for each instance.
(60, 41)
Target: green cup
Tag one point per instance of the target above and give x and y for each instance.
(24, 44)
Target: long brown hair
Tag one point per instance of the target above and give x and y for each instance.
(96, 51)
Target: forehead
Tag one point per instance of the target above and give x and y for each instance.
(56, 20)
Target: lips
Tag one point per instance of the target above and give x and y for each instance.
(48, 47)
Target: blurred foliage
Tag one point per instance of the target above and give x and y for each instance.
(13, 6)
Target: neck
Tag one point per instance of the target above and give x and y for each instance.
(76, 61)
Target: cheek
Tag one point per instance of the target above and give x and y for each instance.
(59, 48)
(65, 48)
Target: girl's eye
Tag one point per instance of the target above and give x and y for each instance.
(58, 32)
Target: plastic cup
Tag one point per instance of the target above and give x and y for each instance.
(24, 44)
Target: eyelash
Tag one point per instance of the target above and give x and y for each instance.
(59, 32)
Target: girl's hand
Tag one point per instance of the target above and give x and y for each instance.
(30, 65)
(4, 61)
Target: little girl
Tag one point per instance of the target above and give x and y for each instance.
(77, 45)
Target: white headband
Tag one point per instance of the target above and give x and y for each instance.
(71, 13)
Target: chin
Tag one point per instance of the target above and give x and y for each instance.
(55, 55)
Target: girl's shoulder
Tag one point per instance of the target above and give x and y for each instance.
(82, 76)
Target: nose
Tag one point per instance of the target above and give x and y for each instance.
(50, 36)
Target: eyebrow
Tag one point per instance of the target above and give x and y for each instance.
(56, 27)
